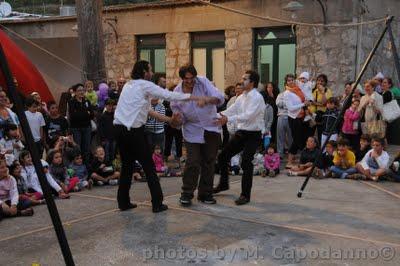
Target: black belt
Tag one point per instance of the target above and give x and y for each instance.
(130, 128)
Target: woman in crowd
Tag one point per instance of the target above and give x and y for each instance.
(6, 115)
(270, 94)
(283, 133)
(370, 107)
(387, 94)
(295, 102)
(80, 113)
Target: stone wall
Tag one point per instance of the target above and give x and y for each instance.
(120, 56)
(238, 54)
(330, 51)
(177, 54)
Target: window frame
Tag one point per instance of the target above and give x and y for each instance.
(275, 48)
(152, 48)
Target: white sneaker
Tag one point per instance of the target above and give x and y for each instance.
(100, 183)
(113, 182)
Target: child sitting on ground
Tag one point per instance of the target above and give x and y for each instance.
(375, 163)
(101, 171)
(11, 145)
(9, 198)
(344, 161)
(272, 161)
(59, 172)
(78, 169)
(307, 158)
(235, 164)
(326, 160)
(365, 146)
(258, 163)
(25, 198)
(31, 180)
(161, 168)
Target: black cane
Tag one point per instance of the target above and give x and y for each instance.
(51, 206)
(346, 104)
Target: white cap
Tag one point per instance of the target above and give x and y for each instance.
(44, 163)
(305, 75)
(379, 76)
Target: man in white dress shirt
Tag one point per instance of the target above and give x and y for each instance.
(248, 114)
(130, 118)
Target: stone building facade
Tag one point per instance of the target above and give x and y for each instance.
(338, 52)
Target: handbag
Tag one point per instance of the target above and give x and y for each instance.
(375, 127)
(391, 111)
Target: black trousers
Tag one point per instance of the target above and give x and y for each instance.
(298, 134)
(133, 146)
(171, 134)
(248, 142)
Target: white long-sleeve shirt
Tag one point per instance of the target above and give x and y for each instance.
(247, 111)
(135, 102)
(293, 104)
(9, 190)
(382, 160)
(31, 180)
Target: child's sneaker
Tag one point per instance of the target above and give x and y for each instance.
(100, 183)
(113, 182)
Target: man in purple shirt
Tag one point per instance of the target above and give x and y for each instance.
(201, 134)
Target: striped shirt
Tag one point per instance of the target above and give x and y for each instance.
(153, 125)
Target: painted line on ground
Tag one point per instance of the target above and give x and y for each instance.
(381, 189)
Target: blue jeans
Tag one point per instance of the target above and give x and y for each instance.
(342, 173)
(82, 137)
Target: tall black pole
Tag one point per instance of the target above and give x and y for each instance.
(394, 52)
(346, 103)
(51, 206)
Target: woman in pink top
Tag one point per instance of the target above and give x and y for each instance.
(350, 128)
(272, 161)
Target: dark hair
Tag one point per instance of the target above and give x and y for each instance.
(187, 68)
(22, 155)
(12, 168)
(51, 154)
(390, 81)
(333, 143)
(272, 146)
(50, 104)
(333, 100)
(76, 86)
(139, 69)
(9, 126)
(378, 139)
(343, 142)
(228, 89)
(254, 77)
(110, 101)
(30, 101)
(275, 89)
(323, 77)
(349, 83)
(355, 100)
(289, 76)
(365, 137)
(157, 77)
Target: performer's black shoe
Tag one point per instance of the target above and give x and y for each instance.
(220, 188)
(242, 200)
(160, 208)
(207, 199)
(128, 207)
(185, 201)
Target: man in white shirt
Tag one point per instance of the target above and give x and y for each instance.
(36, 123)
(130, 118)
(248, 114)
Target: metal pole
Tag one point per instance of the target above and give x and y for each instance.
(394, 52)
(51, 206)
(346, 103)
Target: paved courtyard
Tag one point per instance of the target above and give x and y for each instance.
(337, 222)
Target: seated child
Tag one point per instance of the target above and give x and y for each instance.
(25, 198)
(78, 169)
(11, 145)
(31, 180)
(326, 160)
(365, 146)
(344, 160)
(375, 162)
(9, 198)
(235, 164)
(395, 168)
(161, 168)
(307, 158)
(101, 171)
(59, 172)
(258, 163)
(272, 161)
